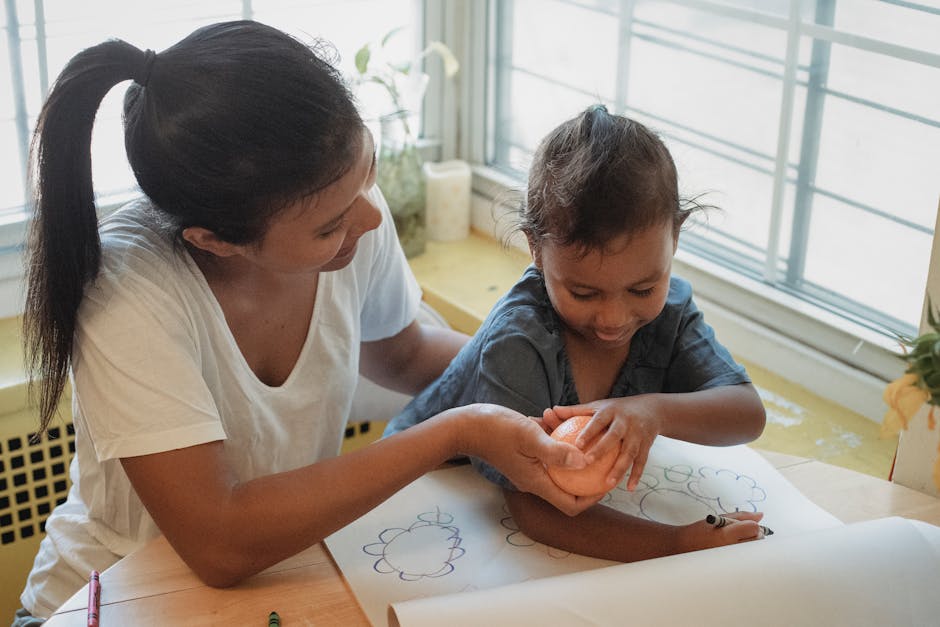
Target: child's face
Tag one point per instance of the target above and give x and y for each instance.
(603, 298)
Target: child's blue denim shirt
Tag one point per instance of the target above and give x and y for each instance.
(517, 359)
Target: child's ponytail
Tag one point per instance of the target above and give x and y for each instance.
(64, 250)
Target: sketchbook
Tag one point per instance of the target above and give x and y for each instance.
(444, 550)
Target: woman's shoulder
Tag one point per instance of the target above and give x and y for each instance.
(137, 236)
(140, 258)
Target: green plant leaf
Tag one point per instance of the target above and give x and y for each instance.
(381, 81)
(404, 68)
(932, 381)
(362, 59)
(390, 34)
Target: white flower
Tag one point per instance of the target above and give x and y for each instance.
(451, 65)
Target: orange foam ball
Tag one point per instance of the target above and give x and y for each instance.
(587, 481)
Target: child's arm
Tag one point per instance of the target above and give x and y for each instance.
(606, 533)
(721, 416)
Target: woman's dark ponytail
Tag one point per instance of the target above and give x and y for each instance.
(64, 250)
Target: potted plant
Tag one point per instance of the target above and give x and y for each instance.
(399, 161)
(915, 395)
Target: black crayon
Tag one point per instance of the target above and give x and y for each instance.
(721, 521)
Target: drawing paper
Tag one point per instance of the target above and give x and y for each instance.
(450, 531)
(873, 573)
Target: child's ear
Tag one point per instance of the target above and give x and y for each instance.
(204, 239)
(676, 229)
(535, 250)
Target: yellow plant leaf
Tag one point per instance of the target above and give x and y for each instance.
(936, 470)
(894, 388)
(891, 424)
(909, 402)
(904, 400)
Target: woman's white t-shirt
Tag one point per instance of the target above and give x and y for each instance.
(156, 368)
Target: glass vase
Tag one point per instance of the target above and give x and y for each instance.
(401, 178)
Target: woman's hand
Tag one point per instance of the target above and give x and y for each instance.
(520, 448)
(629, 424)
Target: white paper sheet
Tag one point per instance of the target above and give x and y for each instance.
(875, 573)
(449, 531)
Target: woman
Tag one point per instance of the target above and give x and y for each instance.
(214, 329)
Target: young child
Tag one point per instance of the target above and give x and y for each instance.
(597, 325)
(215, 328)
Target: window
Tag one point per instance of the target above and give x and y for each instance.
(42, 35)
(813, 124)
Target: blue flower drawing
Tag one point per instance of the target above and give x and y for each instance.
(427, 548)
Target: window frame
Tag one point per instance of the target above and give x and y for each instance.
(828, 354)
(770, 327)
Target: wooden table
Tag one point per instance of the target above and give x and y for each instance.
(154, 587)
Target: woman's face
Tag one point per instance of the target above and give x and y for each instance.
(604, 297)
(320, 233)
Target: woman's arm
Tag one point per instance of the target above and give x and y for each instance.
(409, 361)
(606, 533)
(226, 530)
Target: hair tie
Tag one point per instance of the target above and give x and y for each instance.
(141, 75)
(598, 108)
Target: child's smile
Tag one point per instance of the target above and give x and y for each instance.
(616, 336)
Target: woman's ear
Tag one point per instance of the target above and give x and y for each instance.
(206, 240)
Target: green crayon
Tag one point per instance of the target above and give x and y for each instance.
(274, 620)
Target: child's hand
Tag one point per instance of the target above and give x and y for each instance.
(631, 424)
(548, 421)
(703, 535)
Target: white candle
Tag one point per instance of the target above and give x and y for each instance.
(447, 200)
